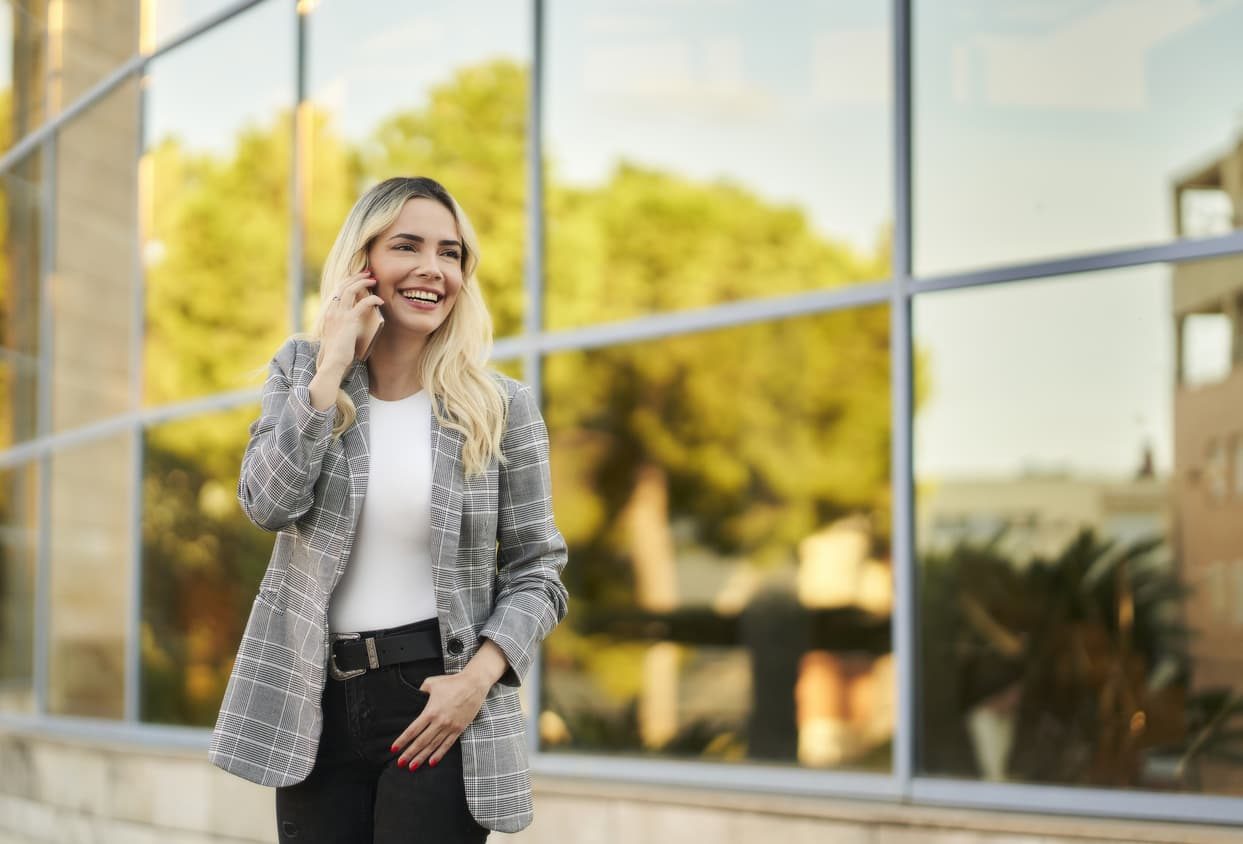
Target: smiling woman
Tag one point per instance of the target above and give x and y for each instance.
(425, 277)
(455, 591)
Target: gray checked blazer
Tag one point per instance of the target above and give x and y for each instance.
(497, 558)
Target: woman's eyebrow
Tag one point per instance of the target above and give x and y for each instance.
(419, 239)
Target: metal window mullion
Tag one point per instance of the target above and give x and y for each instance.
(297, 201)
(137, 368)
(902, 620)
(533, 282)
(1171, 252)
(713, 317)
(43, 427)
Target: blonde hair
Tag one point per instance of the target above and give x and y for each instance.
(454, 361)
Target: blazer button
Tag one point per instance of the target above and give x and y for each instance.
(455, 645)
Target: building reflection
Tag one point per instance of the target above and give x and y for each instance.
(1079, 625)
(1207, 303)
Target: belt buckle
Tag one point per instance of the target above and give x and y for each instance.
(373, 660)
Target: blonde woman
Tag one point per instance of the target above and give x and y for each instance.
(416, 566)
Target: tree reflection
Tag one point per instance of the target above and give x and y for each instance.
(1071, 670)
(721, 452)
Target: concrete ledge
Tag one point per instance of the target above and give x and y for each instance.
(77, 787)
(827, 814)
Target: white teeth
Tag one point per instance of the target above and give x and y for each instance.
(421, 295)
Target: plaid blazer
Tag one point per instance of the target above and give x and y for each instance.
(299, 483)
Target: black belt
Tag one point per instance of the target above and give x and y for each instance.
(352, 654)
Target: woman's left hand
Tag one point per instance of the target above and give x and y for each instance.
(455, 700)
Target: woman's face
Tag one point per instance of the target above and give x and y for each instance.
(421, 251)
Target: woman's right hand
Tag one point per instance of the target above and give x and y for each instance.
(343, 320)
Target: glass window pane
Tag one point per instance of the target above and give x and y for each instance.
(512, 367)
(23, 69)
(694, 158)
(1050, 129)
(163, 20)
(21, 240)
(728, 521)
(1080, 576)
(202, 562)
(1206, 348)
(215, 206)
(89, 40)
(91, 547)
(394, 90)
(96, 239)
(19, 538)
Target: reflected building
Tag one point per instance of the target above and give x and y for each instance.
(1207, 305)
(1038, 512)
(92, 367)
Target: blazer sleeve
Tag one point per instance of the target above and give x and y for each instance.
(530, 599)
(276, 485)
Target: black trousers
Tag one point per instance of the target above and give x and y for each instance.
(356, 794)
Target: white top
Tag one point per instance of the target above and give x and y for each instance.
(388, 577)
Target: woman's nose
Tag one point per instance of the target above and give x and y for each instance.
(428, 266)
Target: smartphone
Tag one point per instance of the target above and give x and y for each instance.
(372, 323)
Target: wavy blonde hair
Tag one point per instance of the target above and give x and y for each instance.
(453, 366)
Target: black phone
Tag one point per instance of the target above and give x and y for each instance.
(372, 323)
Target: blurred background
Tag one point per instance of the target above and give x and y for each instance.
(891, 354)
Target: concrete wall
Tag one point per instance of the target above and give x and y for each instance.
(55, 789)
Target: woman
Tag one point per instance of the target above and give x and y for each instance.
(416, 566)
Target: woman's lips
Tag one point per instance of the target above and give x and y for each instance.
(419, 304)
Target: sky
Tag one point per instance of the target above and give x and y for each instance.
(1043, 128)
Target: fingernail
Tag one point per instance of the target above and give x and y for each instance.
(415, 765)
(432, 763)
(401, 763)
(393, 749)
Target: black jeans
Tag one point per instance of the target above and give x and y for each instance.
(356, 794)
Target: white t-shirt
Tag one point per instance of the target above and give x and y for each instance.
(388, 577)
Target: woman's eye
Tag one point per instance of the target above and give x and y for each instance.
(451, 254)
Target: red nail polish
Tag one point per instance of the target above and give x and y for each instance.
(401, 763)
(432, 763)
(393, 749)
(415, 765)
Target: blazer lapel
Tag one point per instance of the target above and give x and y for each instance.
(446, 511)
(446, 505)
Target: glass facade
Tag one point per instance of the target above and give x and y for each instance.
(93, 324)
(19, 555)
(891, 354)
(216, 163)
(1062, 545)
(21, 298)
(201, 561)
(730, 515)
(745, 166)
(1046, 129)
